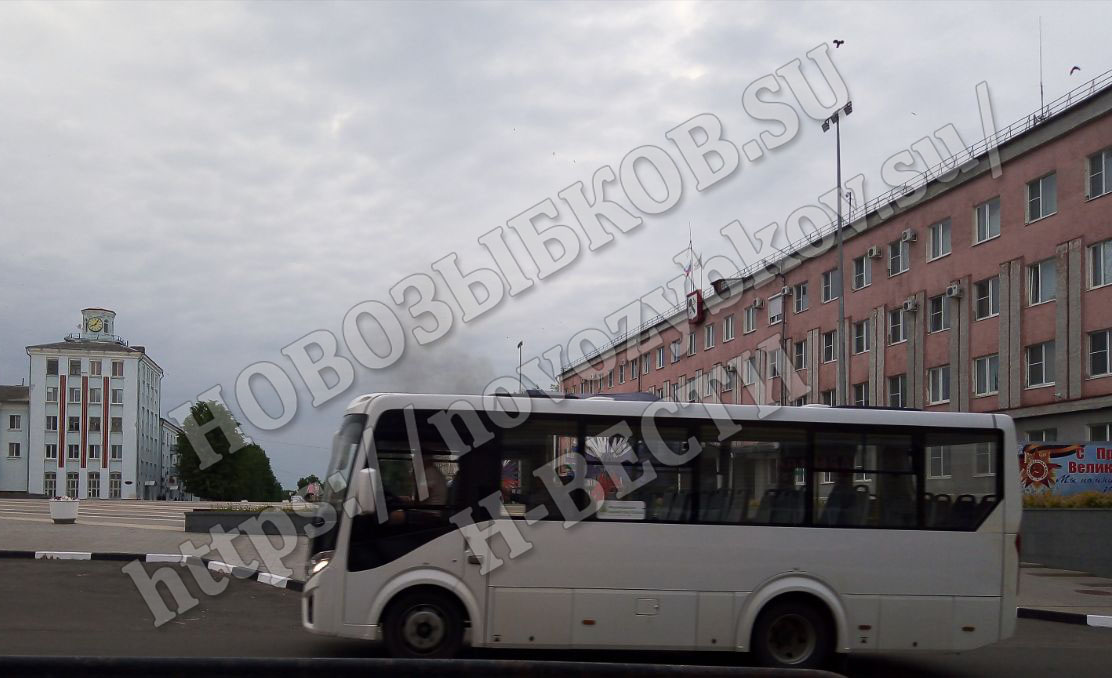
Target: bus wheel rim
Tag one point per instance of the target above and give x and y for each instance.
(424, 628)
(792, 639)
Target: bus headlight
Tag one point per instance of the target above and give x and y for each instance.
(319, 561)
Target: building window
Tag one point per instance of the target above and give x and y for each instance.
(1100, 433)
(15, 422)
(49, 484)
(938, 461)
(74, 368)
(645, 360)
(938, 385)
(51, 366)
(799, 355)
(73, 424)
(899, 257)
(831, 285)
(861, 336)
(799, 294)
(727, 379)
(861, 394)
(708, 336)
(728, 328)
(117, 425)
(71, 485)
(610, 379)
(896, 329)
(749, 321)
(987, 219)
(862, 272)
(117, 368)
(830, 346)
(1042, 197)
(94, 396)
(986, 375)
(94, 424)
(987, 298)
(775, 309)
(660, 358)
(1098, 353)
(95, 368)
(114, 485)
(897, 391)
(51, 422)
(51, 394)
(800, 401)
(94, 451)
(827, 397)
(749, 372)
(1040, 364)
(1100, 264)
(73, 452)
(75, 395)
(13, 451)
(692, 344)
(983, 464)
(1041, 282)
(939, 240)
(1042, 435)
(939, 314)
(775, 361)
(94, 485)
(1100, 174)
(709, 383)
(51, 451)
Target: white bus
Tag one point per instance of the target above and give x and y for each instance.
(793, 533)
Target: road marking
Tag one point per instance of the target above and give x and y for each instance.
(63, 555)
(98, 523)
(273, 580)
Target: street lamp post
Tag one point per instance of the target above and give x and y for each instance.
(519, 345)
(841, 393)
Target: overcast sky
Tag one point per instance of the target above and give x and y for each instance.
(230, 177)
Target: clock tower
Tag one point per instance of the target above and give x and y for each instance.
(97, 324)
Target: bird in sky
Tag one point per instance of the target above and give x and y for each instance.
(839, 43)
(1075, 69)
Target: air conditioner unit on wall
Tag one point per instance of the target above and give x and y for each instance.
(953, 290)
(785, 291)
(873, 252)
(758, 303)
(910, 305)
(908, 235)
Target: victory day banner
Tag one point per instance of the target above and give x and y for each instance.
(1063, 469)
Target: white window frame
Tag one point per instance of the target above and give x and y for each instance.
(13, 450)
(1106, 351)
(893, 339)
(862, 272)
(899, 252)
(728, 328)
(1100, 264)
(1098, 165)
(676, 349)
(986, 375)
(708, 336)
(1046, 362)
(984, 460)
(775, 363)
(828, 397)
(1042, 435)
(1105, 429)
(830, 343)
(861, 388)
(660, 358)
(1037, 282)
(749, 320)
(800, 301)
(1041, 198)
(991, 286)
(775, 309)
(986, 221)
(73, 452)
(94, 451)
(901, 390)
(861, 336)
(692, 343)
(941, 243)
(117, 368)
(15, 422)
(829, 283)
(943, 314)
(750, 371)
(799, 354)
(938, 380)
(50, 451)
(943, 457)
(115, 452)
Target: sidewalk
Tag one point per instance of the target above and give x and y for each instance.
(44, 536)
(1065, 592)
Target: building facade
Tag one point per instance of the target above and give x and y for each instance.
(170, 485)
(93, 420)
(986, 291)
(14, 426)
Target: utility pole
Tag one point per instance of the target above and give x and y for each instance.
(841, 393)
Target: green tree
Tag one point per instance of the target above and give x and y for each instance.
(306, 480)
(244, 473)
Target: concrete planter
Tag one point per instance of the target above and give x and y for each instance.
(64, 511)
(247, 522)
(1069, 539)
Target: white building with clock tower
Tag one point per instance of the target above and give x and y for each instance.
(94, 429)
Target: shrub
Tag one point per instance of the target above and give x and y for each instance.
(1091, 499)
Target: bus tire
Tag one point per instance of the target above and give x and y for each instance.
(424, 624)
(793, 633)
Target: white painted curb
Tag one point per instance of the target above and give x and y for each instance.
(273, 580)
(1099, 620)
(63, 555)
(165, 558)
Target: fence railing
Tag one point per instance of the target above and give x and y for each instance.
(968, 155)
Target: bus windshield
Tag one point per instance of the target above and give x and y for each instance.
(344, 445)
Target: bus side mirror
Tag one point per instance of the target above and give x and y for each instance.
(366, 482)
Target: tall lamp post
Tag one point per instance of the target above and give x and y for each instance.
(842, 391)
(519, 345)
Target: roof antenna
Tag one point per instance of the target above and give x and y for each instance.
(1042, 103)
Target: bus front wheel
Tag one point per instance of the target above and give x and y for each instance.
(793, 633)
(423, 624)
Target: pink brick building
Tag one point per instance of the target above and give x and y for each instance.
(990, 293)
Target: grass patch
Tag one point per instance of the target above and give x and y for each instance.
(1080, 500)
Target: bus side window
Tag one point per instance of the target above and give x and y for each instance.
(961, 478)
(755, 476)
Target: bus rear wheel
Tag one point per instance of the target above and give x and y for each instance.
(423, 624)
(793, 634)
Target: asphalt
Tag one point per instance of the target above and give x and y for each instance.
(93, 608)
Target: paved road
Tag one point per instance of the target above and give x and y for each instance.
(144, 515)
(91, 608)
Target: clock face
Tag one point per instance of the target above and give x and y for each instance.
(95, 324)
